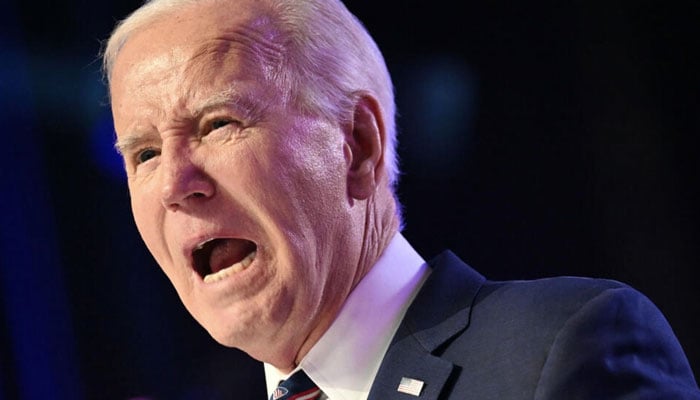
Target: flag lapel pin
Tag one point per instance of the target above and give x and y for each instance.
(410, 386)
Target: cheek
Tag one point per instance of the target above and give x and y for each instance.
(313, 191)
(319, 167)
(140, 208)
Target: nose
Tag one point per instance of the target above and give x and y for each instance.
(184, 183)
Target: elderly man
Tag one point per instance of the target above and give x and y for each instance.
(259, 142)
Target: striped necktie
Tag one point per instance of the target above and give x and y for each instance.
(297, 387)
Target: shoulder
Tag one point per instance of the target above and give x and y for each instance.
(559, 336)
(552, 298)
(549, 297)
(558, 306)
(535, 312)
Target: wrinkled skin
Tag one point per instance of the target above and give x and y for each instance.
(212, 150)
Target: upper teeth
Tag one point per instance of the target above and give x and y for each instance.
(201, 245)
(237, 267)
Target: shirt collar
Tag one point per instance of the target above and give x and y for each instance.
(345, 360)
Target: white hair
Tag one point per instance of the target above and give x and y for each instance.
(330, 58)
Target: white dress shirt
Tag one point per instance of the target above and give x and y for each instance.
(344, 362)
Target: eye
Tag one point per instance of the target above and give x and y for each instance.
(146, 154)
(219, 128)
(219, 123)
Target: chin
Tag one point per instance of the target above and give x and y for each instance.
(224, 336)
(236, 335)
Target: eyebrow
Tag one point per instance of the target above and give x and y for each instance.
(134, 140)
(227, 98)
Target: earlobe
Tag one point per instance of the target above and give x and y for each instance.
(364, 148)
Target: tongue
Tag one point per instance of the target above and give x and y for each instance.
(227, 252)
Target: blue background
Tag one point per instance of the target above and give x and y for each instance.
(538, 138)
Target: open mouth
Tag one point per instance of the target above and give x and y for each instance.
(216, 259)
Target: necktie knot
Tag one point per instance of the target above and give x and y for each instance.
(297, 387)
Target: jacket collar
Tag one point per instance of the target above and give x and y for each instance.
(440, 311)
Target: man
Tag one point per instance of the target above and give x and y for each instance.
(259, 142)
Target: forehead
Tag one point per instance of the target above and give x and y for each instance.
(209, 43)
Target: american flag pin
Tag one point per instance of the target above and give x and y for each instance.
(410, 386)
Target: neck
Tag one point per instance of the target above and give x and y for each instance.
(380, 223)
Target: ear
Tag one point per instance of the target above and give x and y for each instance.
(364, 148)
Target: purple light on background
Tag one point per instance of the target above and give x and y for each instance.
(102, 145)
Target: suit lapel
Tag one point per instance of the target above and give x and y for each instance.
(440, 311)
(408, 360)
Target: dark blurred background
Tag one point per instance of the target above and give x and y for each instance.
(537, 138)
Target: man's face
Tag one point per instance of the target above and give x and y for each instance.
(241, 199)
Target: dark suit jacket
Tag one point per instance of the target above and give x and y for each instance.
(556, 338)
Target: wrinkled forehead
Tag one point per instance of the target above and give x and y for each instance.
(199, 46)
(203, 35)
(181, 62)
